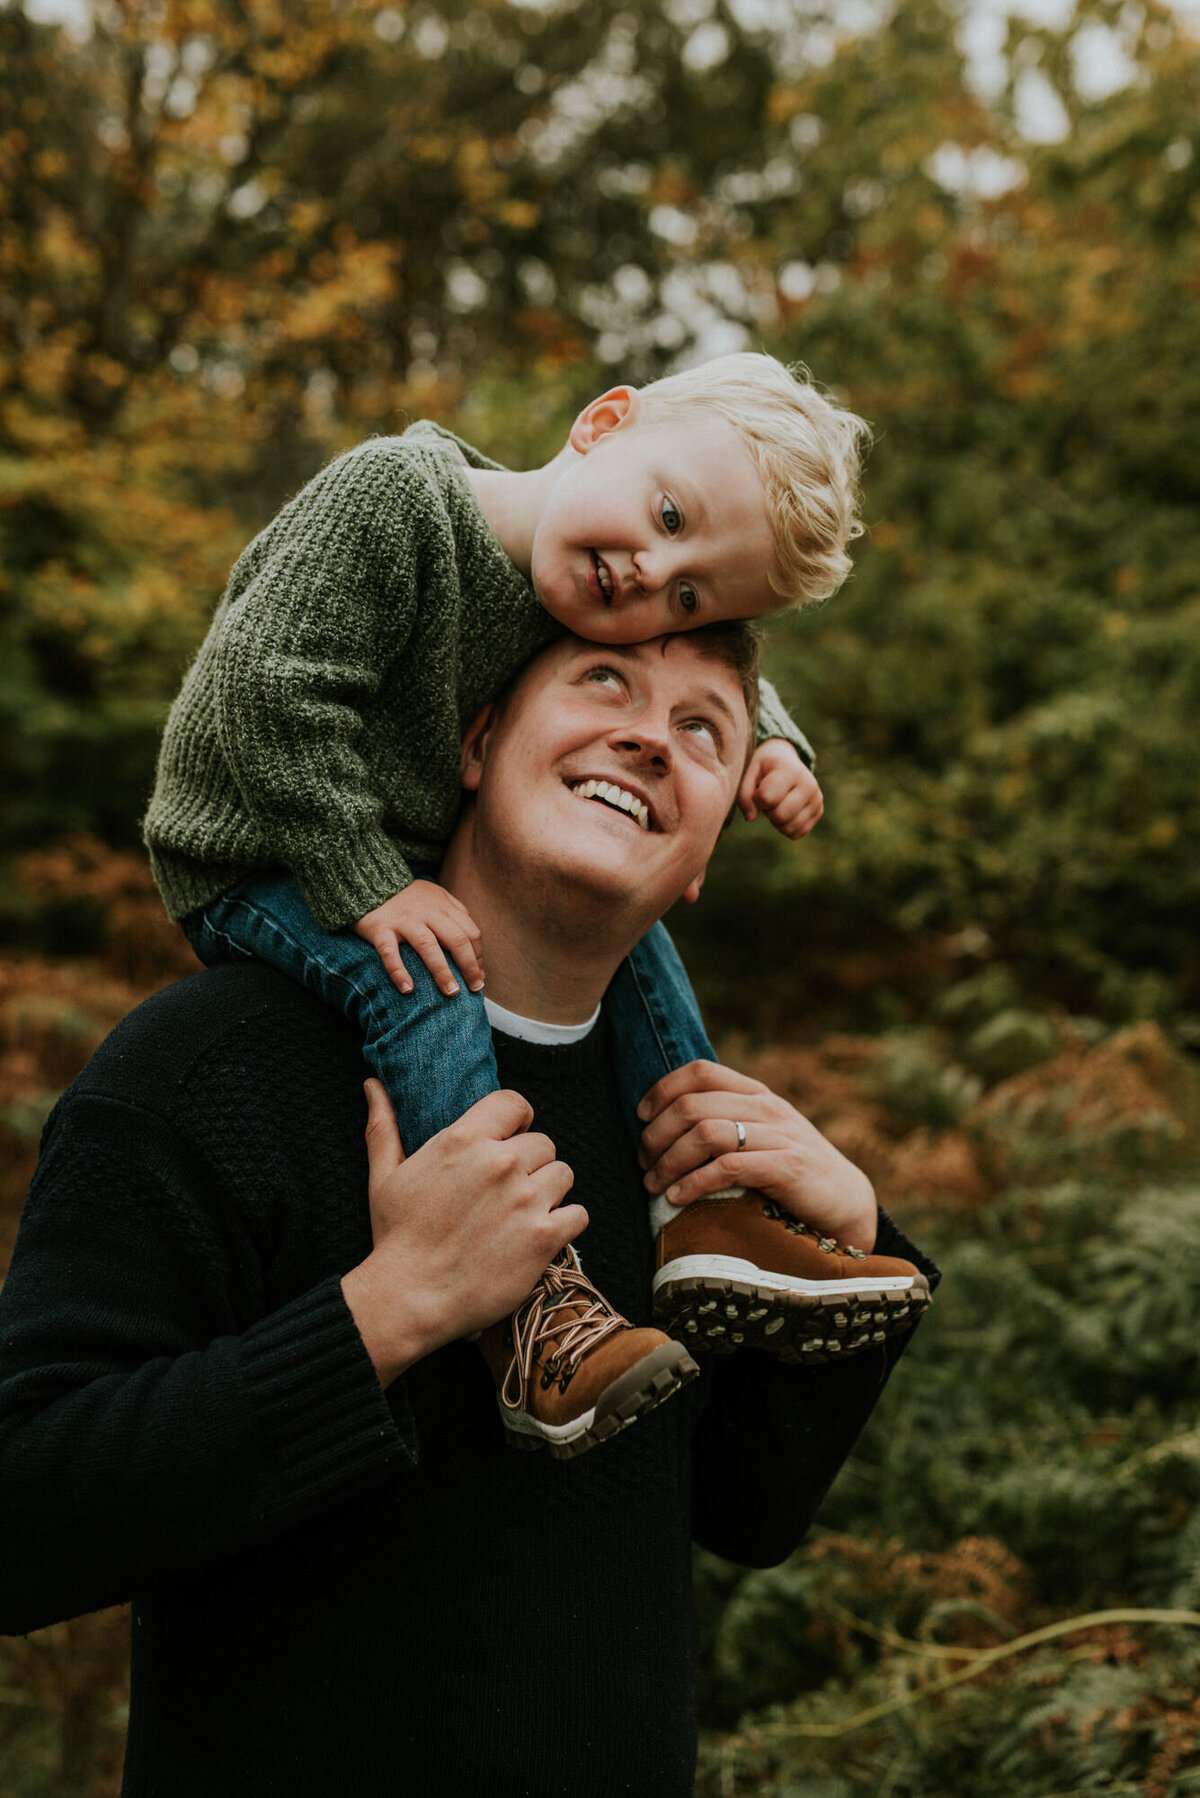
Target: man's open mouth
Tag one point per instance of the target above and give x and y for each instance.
(619, 798)
(603, 575)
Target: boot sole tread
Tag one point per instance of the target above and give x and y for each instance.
(720, 1316)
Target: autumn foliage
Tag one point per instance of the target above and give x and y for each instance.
(236, 238)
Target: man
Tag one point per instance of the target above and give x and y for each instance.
(234, 1392)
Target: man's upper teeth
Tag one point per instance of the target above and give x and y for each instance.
(614, 795)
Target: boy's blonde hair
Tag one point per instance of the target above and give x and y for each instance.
(807, 450)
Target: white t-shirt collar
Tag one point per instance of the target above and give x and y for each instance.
(533, 1030)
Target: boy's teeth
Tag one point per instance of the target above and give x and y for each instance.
(604, 577)
(615, 796)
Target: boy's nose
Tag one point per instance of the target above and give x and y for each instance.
(652, 569)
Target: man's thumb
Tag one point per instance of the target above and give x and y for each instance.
(384, 1148)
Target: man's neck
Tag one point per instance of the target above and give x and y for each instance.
(543, 959)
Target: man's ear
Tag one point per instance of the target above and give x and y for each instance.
(691, 891)
(613, 410)
(474, 747)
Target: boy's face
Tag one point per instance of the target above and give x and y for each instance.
(656, 526)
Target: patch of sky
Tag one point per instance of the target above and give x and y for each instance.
(978, 174)
(537, 282)
(688, 13)
(797, 281)
(75, 16)
(389, 25)
(1099, 63)
(466, 290)
(246, 201)
(430, 37)
(707, 47)
(673, 226)
(1040, 114)
(632, 284)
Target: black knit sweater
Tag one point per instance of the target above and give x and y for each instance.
(338, 1591)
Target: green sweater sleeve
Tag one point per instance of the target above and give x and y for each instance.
(773, 721)
(327, 604)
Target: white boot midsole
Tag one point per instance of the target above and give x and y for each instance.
(728, 1267)
(521, 1423)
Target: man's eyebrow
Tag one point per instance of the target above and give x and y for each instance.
(715, 702)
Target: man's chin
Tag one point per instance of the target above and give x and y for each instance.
(589, 890)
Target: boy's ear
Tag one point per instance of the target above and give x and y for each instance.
(617, 408)
(474, 747)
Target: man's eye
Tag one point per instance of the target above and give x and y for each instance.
(701, 726)
(689, 599)
(672, 517)
(600, 673)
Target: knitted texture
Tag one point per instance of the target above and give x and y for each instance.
(319, 727)
(337, 1590)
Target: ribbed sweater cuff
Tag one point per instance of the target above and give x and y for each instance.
(342, 888)
(328, 1431)
(773, 721)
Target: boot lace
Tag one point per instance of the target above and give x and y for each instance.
(564, 1310)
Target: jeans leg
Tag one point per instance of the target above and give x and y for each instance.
(656, 1020)
(433, 1053)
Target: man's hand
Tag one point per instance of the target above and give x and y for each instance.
(429, 919)
(777, 782)
(690, 1148)
(462, 1229)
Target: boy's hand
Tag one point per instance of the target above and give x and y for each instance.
(429, 919)
(777, 782)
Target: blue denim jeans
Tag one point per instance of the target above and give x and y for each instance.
(433, 1053)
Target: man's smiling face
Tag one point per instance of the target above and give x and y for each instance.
(610, 771)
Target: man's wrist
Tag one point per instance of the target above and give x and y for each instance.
(397, 1327)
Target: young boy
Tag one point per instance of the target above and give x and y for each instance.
(318, 732)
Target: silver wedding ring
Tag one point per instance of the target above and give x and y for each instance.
(741, 1130)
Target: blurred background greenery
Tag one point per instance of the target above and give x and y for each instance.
(237, 237)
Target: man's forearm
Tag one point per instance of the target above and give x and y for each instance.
(122, 1481)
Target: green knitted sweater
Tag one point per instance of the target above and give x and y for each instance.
(319, 727)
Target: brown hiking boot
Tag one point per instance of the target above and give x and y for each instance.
(570, 1371)
(737, 1271)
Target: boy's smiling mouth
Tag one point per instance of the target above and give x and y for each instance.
(604, 578)
(618, 798)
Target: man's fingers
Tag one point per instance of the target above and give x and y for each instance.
(498, 1115)
(694, 1076)
(565, 1222)
(759, 1171)
(385, 1151)
(706, 1129)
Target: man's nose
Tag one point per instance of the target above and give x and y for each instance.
(646, 737)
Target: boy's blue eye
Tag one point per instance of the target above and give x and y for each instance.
(689, 599)
(672, 518)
